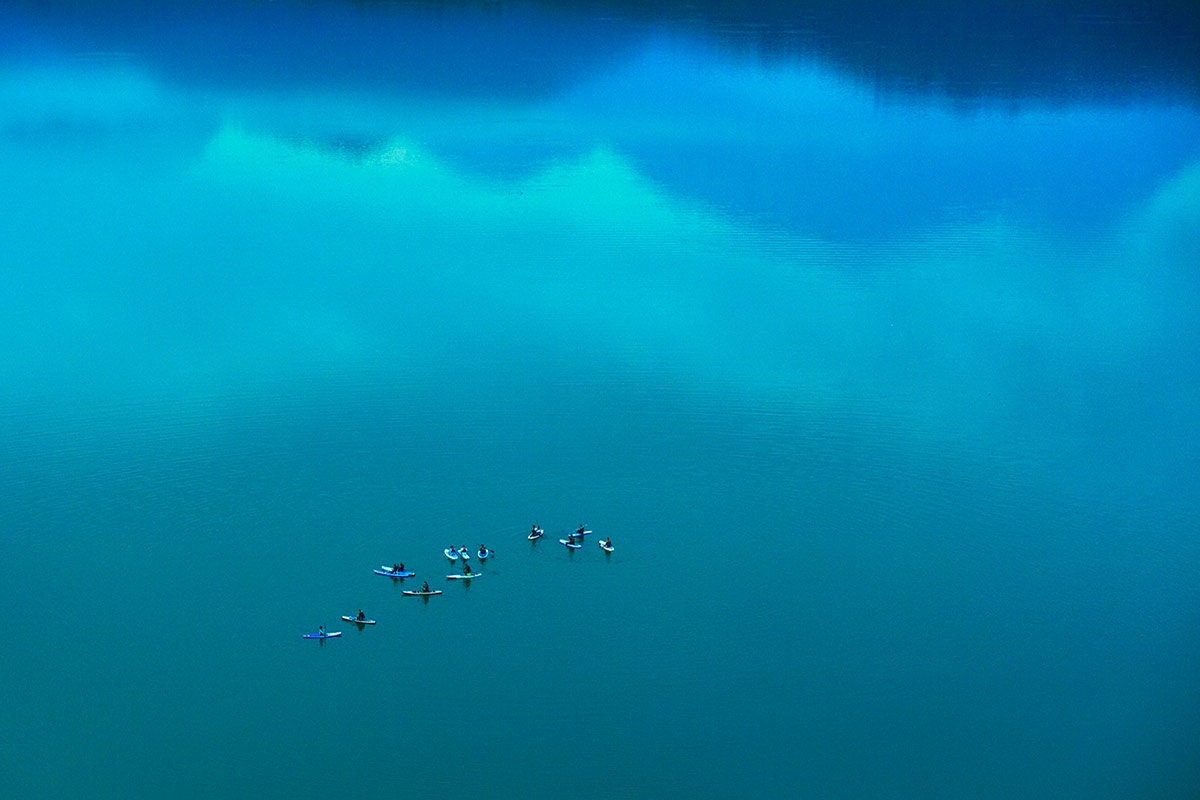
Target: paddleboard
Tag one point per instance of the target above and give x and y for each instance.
(333, 635)
(565, 543)
(451, 553)
(484, 554)
(582, 533)
(462, 577)
(414, 593)
(387, 571)
(533, 535)
(464, 554)
(357, 621)
(608, 548)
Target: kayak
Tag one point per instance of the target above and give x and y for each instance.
(536, 534)
(570, 545)
(451, 553)
(332, 635)
(464, 553)
(414, 593)
(462, 577)
(485, 554)
(358, 621)
(608, 548)
(582, 533)
(387, 571)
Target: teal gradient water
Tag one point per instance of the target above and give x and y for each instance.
(887, 398)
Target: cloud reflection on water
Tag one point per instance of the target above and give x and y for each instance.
(746, 222)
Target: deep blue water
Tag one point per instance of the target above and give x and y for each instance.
(878, 358)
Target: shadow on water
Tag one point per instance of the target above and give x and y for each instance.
(970, 52)
(1052, 51)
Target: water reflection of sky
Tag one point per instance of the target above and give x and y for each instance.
(506, 93)
(716, 208)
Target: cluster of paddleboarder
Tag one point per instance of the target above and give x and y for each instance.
(398, 571)
(574, 541)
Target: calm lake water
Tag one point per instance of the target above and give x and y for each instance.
(878, 358)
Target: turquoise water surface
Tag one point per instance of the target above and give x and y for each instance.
(880, 364)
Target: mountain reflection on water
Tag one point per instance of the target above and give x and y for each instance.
(507, 89)
(968, 52)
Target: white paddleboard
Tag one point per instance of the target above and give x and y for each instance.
(358, 621)
(387, 572)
